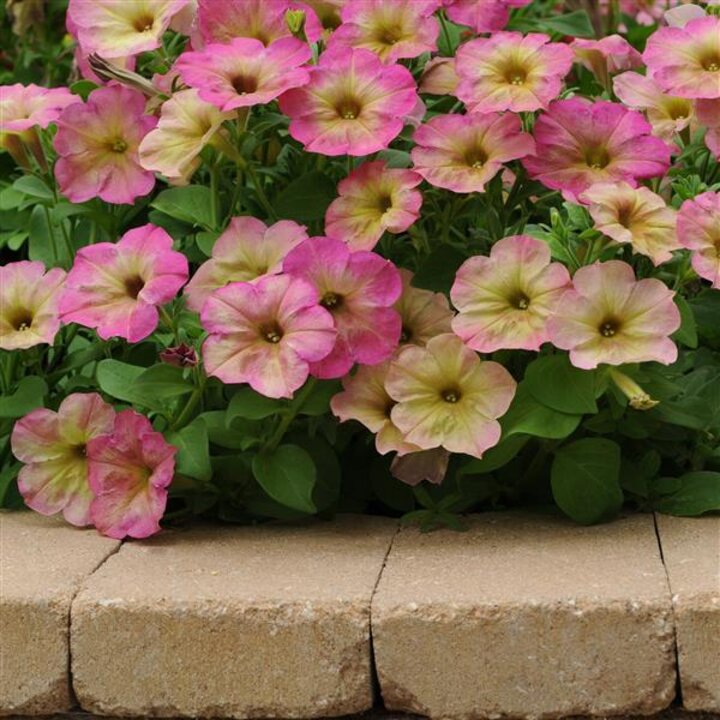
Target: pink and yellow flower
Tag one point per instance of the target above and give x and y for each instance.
(424, 313)
(606, 56)
(392, 30)
(464, 152)
(116, 287)
(708, 114)
(685, 61)
(483, 16)
(129, 471)
(580, 143)
(610, 317)
(247, 250)
(353, 104)
(698, 227)
(98, 143)
(29, 299)
(634, 215)
(266, 334)
(53, 446)
(447, 397)
(373, 199)
(509, 71)
(505, 300)
(243, 72)
(359, 290)
(23, 107)
(439, 77)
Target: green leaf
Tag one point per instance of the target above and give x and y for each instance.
(585, 480)
(437, 271)
(29, 395)
(206, 242)
(692, 494)
(528, 416)
(83, 88)
(118, 379)
(449, 38)
(706, 309)
(191, 204)
(288, 476)
(193, 457)
(687, 332)
(496, 456)
(575, 24)
(554, 382)
(318, 402)
(34, 187)
(306, 198)
(248, 404)
(162, 381)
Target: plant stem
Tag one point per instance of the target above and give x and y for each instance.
(290, 415)
(262, 197)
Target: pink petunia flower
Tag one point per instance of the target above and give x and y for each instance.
(610, 317)
(447, 397)
(29, 299)
(579, 143)
(23, 107)
(247, 250)
(606, 56)
(353, 104)
(685, 61)
(53, 446)
(483, 16)
(373, 199)
(129, 471)
(505, 300)
(424, 313)
(439, 77)
(698, 227)
(511, 71)
(359, 289)
(708, 114)
(244, 72)
(464, 152)
(395, 30)
(116, 287)
(266, 334)
(98, 143)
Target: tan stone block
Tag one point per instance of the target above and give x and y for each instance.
(525, 616)
(43, 562)
(266, 621)
(691, 550)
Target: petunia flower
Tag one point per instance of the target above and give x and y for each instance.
(392, 30)
(579, 143)
(606, 56)
(511, 71)
(685, 61)
(610, 317)
(116, 287)
(243, 72)
(483, 16)
(634, 215)
(359, 290)
(266, 334)
(708, 114)
(439, 77)
(353, 104)
(247, 250)
(29, 299)
(416, 467)
(53, 446)
(98, 143)
(464, 152)
(505, 300)
(424, 313)
(373, 199)
(129, 471)
(698, 228)
(447, 397)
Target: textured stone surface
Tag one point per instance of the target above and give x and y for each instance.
(691, 549)
(525, 616)
(43, 562)
(236, 622)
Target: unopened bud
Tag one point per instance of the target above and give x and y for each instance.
(181, 356)
(295, 20)
(637, 397)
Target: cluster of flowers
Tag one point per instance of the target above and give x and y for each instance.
(278, 306)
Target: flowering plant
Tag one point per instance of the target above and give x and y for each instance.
(275, 258)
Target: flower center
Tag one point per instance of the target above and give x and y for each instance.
(384, 203)
(711, 62)
(609, 328)
(272, 333)
(597, 158)
(143, 23)
(520, 301)
(22, 321)
(476, 158)
(79, 451)
(244, 84)
(118, 145)
(450, 395)
(625, 215)
(133, 286)
(405, 334)
(679, 109)
(389, 35)
(516, 75)
(331, 300)
(349, 109)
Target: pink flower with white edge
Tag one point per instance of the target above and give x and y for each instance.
(505, 300)
(609, 317)
(511, 71)
(23, 107)
(447, 397)
(698, 227)
(580, 143)
(464, 152)
(424, 313)
(129, 471)
(53, 446)
(373, 199)
(708, 114)
(98, 143)
(353, 104)
(359, 290)
(634, 215)
(685, 61)
(392, 30)
(116, 28)
(244, 72)
(247, 250)
(116, 288)
(483, 16)
(266, 334)
(606, 56)
(29, 300)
